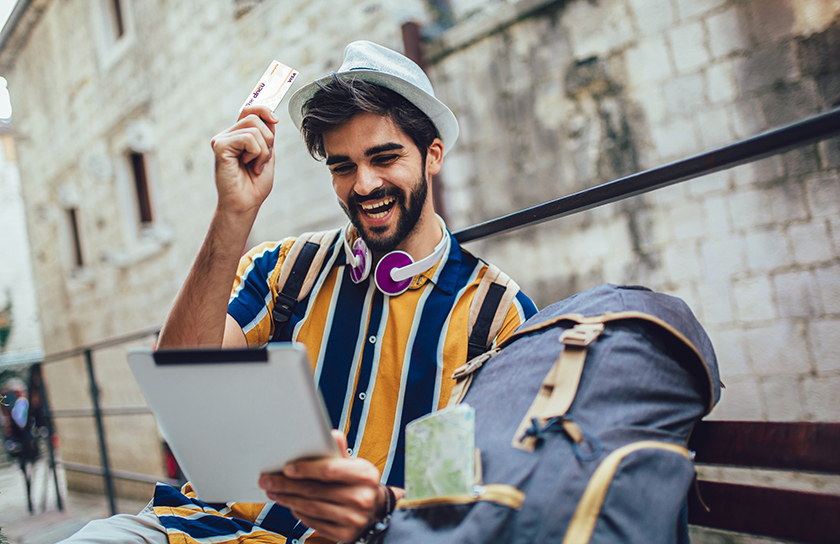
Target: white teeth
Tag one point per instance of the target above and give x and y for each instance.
(369, 208)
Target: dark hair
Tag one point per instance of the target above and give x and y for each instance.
(337, 101)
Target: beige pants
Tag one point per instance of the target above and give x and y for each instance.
(144, 528)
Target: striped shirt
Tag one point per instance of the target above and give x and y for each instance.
(380, 362)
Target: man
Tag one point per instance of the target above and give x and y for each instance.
(383, 347)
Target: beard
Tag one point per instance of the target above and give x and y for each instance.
(410, 209)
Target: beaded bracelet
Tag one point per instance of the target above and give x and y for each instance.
(374, 531)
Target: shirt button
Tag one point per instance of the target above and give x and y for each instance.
(372, 339)
(295, 541)
(349, 451)
(362, 395)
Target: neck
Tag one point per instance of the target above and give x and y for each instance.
(423, 239)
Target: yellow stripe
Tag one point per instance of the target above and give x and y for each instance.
(503, 494)
(589, 508)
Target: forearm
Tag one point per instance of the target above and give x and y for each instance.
(197, 317)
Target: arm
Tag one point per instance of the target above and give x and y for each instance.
(244, 177)
(338, 497)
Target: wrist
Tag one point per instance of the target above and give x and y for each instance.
(388, 503)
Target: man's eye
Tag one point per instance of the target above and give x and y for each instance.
(342, 169)
(385, 159)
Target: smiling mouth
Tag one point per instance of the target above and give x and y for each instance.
(380, 209)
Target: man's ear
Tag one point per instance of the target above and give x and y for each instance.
(434, 157)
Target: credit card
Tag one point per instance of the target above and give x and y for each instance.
(272, 87)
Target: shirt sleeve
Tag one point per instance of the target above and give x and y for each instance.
(254, 290)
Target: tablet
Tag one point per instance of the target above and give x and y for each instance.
(230, 415)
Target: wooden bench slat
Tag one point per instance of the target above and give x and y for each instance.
(809, 518)
(796, 446)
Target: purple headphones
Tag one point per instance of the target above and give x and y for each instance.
(395, 270)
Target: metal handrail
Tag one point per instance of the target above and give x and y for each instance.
(811, 130)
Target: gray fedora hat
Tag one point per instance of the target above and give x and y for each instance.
(373, 63)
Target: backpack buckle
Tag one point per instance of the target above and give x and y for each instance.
(582, 334)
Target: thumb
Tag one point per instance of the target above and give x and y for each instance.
(340, 441)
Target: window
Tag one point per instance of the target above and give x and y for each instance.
(141, 187)
(75, 238)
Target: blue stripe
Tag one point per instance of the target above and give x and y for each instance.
(206, 526)
(528, 306)
(250, 300)
(341, 345)
(422, 372)
(280, 520)
(377, 307)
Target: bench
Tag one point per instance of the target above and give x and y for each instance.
(783, 514)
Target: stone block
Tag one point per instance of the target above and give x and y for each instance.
(823, 194)
(687, 9)
(771, 21)
(778, 350)
(754, 299)
(716, 215)
(786, 103)
(797, 294)
(597, 29)
(714, 183)
(818, 51)
(767, 250)
(782, 397)
(717, 303)
(811, 243)
(685, 94)
(715, 130)
(688, 45)
(720, 80)
(648, 62)
(762, 171)
(681, 263)
(829, 151)
(765, 67)
(727, 32)
(723, 258)
(747, 118)
(750, 208)
(652, 17)
(824, 338)
(740, 401)
(801, 161)
(821, 397)
(651, 100)
(675, 140)
(687, 221)
(787, 202)
(828, 280)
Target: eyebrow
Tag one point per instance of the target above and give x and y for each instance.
(375, 150)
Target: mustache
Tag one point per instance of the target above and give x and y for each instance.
(382, 192)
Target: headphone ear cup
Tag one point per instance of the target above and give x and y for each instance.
(382, 276)
(360, 272)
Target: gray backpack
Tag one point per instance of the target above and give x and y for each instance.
(581, 421)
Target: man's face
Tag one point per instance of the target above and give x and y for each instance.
(379, 176)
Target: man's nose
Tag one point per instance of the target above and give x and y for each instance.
(366, 181)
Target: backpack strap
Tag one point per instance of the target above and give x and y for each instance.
(488, 310)
(298, 273)
(559, 387)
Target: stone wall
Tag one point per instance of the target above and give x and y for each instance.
(556, 96)
(83, 101)
(552, 96)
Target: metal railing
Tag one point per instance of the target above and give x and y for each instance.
(812, 130)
